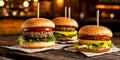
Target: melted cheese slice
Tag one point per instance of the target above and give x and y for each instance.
(88, 42)
(66, 33)
(105, 46)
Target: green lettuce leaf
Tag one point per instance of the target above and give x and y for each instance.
(21, 39)
(95, 46)
(111, 45)
(71, 35)
(57, 35)
(76, 43)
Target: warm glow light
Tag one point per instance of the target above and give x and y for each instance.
(104, 14)
(2, 3)
(7, 6)
(29, 0)
(35, 4)
(100, 6)
(60, 3)
(112, 15)
(107, 6)
(116, 7)
(35, 0)
(22, 13)
(26, 4)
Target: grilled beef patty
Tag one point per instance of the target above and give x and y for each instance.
(44, 35)
(64, 28)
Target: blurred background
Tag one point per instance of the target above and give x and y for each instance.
(14, 12)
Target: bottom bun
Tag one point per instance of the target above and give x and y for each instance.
(36, 44)
(93, 51)
(67, 39)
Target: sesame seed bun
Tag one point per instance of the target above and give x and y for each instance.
(93, 51)
(37, 44)
(38, 22)
(62, 21)
(94, 30)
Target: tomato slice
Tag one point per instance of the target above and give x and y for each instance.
(94, 37)
(103, 37)
(32, 29)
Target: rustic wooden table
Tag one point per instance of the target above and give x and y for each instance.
(10, 40)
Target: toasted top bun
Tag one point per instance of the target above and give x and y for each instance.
(62, 21)
(95, 30)
(38, 22)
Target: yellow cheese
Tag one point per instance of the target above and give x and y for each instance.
(105, 46)
(77, 46)
(94, 42)
(66, 33)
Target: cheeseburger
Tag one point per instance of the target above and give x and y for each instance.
(37, 33)
(65, 29)
(94, 38)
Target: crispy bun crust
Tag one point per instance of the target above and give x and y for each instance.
(38, 22)
(62, 21)
(93, 51)
(36, 44)
(67, 39)
(95, 30)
